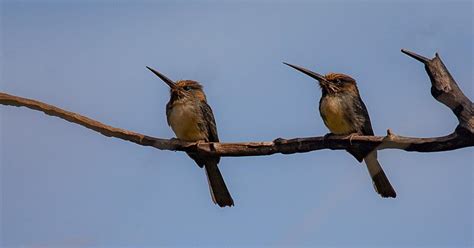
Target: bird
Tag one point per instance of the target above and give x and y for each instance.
(191, 119)
(344, 113)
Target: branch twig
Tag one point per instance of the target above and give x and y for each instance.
(444, 89)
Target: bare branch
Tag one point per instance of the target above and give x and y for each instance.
(462, 137)
(444, 89)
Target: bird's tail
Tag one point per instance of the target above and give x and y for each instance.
(379, 179)
(219, 192)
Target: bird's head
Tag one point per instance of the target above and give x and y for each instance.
(183, 89)
(331, 83)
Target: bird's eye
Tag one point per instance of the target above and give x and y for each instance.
(186, 88)
(338, 81)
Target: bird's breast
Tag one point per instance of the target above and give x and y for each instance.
(185, 119)
(333, 112)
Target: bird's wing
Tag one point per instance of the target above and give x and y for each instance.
(363, 126)
(168, 112)
(361, 110)
(209, 122)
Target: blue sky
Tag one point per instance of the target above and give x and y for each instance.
(63, 185)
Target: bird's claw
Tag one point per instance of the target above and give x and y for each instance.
(199, 142)
(351, 136)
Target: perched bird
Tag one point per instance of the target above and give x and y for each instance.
(191, 119)
(344, 113)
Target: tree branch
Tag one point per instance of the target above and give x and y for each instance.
(444, 89)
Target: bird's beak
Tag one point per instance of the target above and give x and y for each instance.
(312, 74)
(168, 81)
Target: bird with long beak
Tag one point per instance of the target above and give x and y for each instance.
(191, 119)
(344, 113)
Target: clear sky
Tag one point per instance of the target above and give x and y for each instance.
(64, 185)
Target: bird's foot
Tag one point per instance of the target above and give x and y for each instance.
(350, 136)
(198, 142)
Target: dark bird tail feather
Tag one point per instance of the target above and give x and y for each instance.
(379, 179)
(219, 192)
